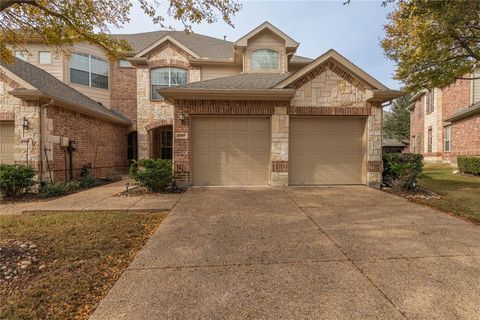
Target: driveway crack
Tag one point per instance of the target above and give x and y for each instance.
(320, 229)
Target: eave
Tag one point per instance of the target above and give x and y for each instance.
(171, 94)
(33, 94)
(464, 113)
(383, 95)
(417, 95)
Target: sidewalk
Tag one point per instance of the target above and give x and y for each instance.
(99, 198)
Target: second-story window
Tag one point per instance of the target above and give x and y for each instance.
(447, 138)
(265, 59)
(21, 55)
(44, 57)
(166, 77)
(430, 101)
(89, 70)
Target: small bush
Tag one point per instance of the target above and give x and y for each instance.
(72, 185)
(87, 181)
(53, 190)
(401, 170)
(469, 165)
(15, 179)
(155, 175)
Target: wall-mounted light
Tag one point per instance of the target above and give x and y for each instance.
(182, 116)
(25, 123)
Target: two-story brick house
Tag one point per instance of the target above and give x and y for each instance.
(445, 122)
(248, 112)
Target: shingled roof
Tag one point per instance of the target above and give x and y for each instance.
(250, 81)
(205, 47)
(55, 89)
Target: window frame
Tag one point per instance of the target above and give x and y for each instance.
(22, 55)
(430, 101)
(252, 60)
(90, 72)
(430, 140)
(447, 138)
(40, 60)
(169, 85)
(119, 64)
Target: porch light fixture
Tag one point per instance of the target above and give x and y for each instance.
(182, 116)
(25, 125)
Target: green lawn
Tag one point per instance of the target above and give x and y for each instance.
(460, 194)
(84, 254)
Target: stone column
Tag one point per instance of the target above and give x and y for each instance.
(143, 111)
(375, 164)
(279, 147)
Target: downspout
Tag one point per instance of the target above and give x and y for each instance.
(286, 62)
(40, 126)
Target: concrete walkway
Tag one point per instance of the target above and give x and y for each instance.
(301, 253)
(99, 198)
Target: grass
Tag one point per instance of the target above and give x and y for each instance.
(85, 253)
(460, 194)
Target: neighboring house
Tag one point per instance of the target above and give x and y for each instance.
(445, 122)
(248, 112)
(395, 146)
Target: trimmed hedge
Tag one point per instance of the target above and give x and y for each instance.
(15, 179)
(153, 174)
(469, 165)
(401, 170)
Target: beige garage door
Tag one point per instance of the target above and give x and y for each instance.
(6, 142)
(230, 151)
(326, 150)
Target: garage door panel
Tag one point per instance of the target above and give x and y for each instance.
(7, 134)
(326, 150)
(239, 154)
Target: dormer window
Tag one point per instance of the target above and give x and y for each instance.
(265, 59)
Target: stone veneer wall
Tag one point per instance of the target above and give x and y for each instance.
(14, 109)
(151, 113)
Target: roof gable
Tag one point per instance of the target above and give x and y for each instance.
(163, 40)
(317, 66)
(289, 42)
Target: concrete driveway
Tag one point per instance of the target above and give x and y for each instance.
(301, 253)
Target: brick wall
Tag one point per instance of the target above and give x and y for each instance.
(123, 91)
(455, 96)
(101, 143)
(417, 126)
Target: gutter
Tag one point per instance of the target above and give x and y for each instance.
(417, 95)
(383, 95)
(42, 136)
(226, 94)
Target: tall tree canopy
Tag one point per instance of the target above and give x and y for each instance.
(60, 23)
(433, 42)
(397, 123)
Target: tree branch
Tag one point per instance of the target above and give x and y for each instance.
(4, 4)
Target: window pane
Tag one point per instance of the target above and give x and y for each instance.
(265, 59)
(99, 66)
(78, 76)
(79, 61)
(155, 95)
(44, 57)
(124, 64)
(99, 81)
(160, 76)
(178, 76)
(21, 55)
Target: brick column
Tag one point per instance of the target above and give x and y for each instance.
(374, 157)
(279, 147)
(181, 147)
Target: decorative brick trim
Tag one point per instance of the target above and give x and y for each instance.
(330, 111)
(461, 153)
(433, 154)
(152, 64)
(230, 107)
(159, 123)
(280, 166)
(7, 116)
(335, 67)
(374, 166)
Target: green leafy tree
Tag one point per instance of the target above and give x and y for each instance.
(60, 23)
(432, 42)
(397, 124)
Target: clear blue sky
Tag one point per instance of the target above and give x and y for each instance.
(353, 30)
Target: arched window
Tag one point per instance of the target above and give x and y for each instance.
(166, 77)
(264, 59)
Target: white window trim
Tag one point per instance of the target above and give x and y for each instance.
(261, 69)
(447, 133)
(39, 61)
(90, 71)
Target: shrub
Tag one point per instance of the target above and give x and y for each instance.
(87, 181)
(469, 165)
(155, 175)
(401, 170)
(53, 189)
(15, 179)
(72, 185)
